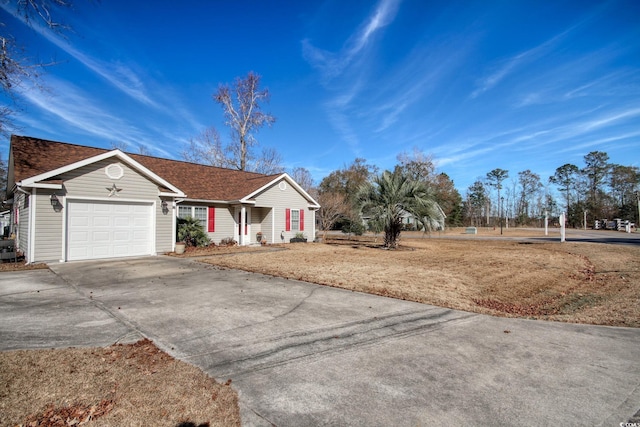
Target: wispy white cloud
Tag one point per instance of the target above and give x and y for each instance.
(602, 84)
(607, 120)
(510, 65)
(332, 64)
(573, 132)
(419, 75)
(82, 113)
(119, 75)
(600, 141)
(345, 66)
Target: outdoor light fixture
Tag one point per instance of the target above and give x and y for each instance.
(164, 205)
(54, 200)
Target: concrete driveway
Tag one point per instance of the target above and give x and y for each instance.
(302, 354)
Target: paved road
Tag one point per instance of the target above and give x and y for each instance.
(572, 235)
(302, 354)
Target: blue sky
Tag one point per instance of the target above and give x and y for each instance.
(478, 84)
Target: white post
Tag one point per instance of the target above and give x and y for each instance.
(243, 224)
(638, 223)
(562, 228)
(546, 223)
(584, 221)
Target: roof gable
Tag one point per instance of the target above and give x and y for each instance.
(284, 177)
(115, 154)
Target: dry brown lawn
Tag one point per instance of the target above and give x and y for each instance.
(570, 282)
(9, 265)
(122, 385)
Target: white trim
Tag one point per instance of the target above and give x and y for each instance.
(313, 203)
(45, 186)
(63, 240)
(90, 160)
(31, 216)
(174, 225)
(154, 226)
(220, 202)
(242, 231)
(109, 199)
(165, 194)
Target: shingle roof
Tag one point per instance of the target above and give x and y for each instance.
(33, 156)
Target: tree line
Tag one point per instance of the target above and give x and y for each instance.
(597, 190)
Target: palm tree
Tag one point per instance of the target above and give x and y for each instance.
(393, 194)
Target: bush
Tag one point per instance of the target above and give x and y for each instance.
(191, 232)
(353, 227)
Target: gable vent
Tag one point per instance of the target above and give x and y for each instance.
(114, 171)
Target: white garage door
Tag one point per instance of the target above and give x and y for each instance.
(107, 229)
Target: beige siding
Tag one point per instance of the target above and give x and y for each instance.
(22, 228)
(257, 223)
(280, 200)
(164, 228)
(225, 224)
(267, 228)
(48, 228)
(92, 181)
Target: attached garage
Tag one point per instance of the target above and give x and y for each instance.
(106, 229)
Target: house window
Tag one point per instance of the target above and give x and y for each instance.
(295, 220)
(197, 212)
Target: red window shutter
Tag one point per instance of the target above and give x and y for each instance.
(301, 220)
(212, 220)
(287, 219)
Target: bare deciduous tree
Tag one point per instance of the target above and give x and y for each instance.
(303, 177)
(243, 115)
(418, 166)
(333, 206)
(268, 163)
(241, 105)
(206, 149)
(124, 147)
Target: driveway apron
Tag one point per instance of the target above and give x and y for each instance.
(303, 354)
